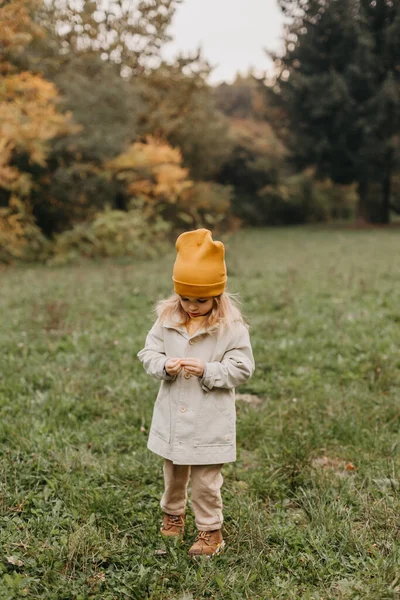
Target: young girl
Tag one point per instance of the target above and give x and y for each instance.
(200, 349)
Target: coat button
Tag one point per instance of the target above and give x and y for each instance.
(187, 375)
(191, 342)
(183, 408)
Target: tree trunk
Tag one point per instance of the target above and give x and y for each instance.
(362, 215)
(374, 199)
(384, 216)
(386, 190)
(120, 202)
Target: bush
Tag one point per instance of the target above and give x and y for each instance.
(301, 198)
(20, 237)
(152, 177)
(112, 233)
(204, 204)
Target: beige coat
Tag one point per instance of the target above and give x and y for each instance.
(194, 420)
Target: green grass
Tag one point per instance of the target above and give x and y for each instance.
(312, 503)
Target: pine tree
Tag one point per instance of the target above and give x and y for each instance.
(339, 82)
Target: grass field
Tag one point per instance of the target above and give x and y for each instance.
(312, 506)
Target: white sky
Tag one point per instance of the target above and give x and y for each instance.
(232, 33)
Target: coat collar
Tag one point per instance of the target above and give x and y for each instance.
(182, 329)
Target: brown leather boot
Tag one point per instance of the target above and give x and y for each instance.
(207, 543)
(173, 525)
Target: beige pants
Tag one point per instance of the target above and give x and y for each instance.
(206, 493)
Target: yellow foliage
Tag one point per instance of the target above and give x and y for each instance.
(171, 182)
(28, 115)
(17, 27)
(19, 235)
(146, 156)
(28, 121)
(153, 171)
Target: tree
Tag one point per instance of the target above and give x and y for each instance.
(178, 105)
(17, 30)
(339, 83)
(29, 116)
(104, 107)
(256, 160)
(150, 175)
(29, 121)
(104, 59)
(102, 103)
(242, 99)
(126, 33)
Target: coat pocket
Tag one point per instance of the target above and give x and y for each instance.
(216, 421)
(161, 421)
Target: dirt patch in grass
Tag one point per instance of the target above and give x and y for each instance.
(250, 399)
(337, 465)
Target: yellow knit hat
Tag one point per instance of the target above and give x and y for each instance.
(199, 269)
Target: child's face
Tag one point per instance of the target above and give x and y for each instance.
(196, 307)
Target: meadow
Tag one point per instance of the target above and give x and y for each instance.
(312, 506)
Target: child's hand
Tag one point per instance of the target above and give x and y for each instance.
(173, 366)
(194, 366)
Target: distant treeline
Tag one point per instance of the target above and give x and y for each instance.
(105, 149)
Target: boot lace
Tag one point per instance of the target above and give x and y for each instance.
(203, 535)
(175, 520)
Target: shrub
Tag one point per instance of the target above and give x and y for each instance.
(205, 204)
(112, 233)
(301, 198)
(20, 237)
(151, 175)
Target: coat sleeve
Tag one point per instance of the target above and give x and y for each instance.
(153, 354)
(236, 366)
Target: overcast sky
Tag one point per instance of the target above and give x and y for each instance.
(232, 33)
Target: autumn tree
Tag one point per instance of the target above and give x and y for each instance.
(104, 107)
(91, 51)
(28, 112)
(29, 121)
(151, 175)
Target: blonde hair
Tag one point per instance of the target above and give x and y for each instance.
(225, 311)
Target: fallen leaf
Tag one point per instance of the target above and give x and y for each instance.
(350, 467)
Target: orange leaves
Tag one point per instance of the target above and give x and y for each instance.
(171, 182)
(17, 27)
(29, 119)
(152, 171)
(8, 174)
(18, 232)
(147, 155)
(350, 467)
